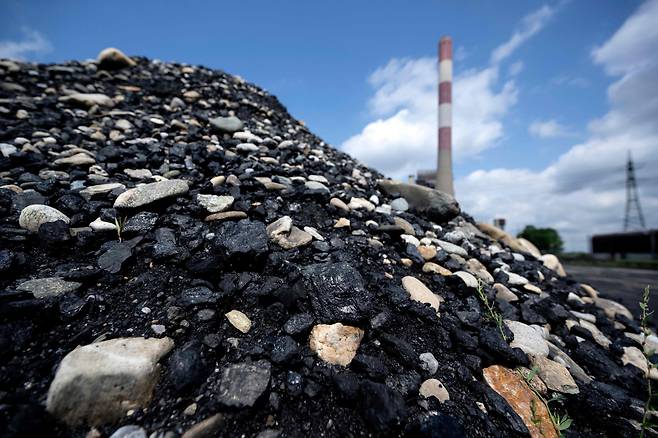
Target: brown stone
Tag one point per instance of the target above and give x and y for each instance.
(226, 215)
(335, 343)
(421, 293)
(509, 385)
(427, 252)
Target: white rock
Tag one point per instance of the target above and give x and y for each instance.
(516, 279)
(421, 293)
(100, 189)
(239, 320)
(33, 216)
(429, 363)
(98, 383)
(100, 225)
(214, 203)
(148, 193)
(434, 388)
(527, 338)
(468, 279)
(361, 204)
(452, 248)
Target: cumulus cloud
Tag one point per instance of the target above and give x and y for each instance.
(582, 192)
(402, 139)
(32, 43)
(548, 129)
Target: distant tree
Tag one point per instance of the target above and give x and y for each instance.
(545, 239)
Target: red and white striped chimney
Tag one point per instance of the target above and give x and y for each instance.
(444, 165)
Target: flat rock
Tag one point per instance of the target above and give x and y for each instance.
(80, 159)
(100, 189)
(243, 383)
(521, 399)
(452, 248)
(336, 343)
(88, 100)
(434, 268)
(149, 193)
(434, 388)
(504, 294)
(438, 206)
(421, 293)
(97, 383)
(555, 375)
(214, 203)
(33, 216)
(48, 287)
(226, 124)
(527, 338)
(226, 215)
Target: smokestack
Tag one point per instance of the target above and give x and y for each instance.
(444, 167)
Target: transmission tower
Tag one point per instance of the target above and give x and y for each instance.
(633, 218)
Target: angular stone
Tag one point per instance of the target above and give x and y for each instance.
(527, 405)
(336, 291)
(112, 259)
(98, 383)
(434, 388)
(421, 293)
(48, 287)
(239, 320)
(214, 203)
(438, 206)
(243, 383)
(527, 338)
(149, 193)
(279, 226)
(635, 357)
(555, 375)
(33, 216)
(242, 240)
(342, 223)
(336, 343)
(504, 294)
(476, 268)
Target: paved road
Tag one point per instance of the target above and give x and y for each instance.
(621, 284)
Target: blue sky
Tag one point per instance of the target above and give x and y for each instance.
(342, 66)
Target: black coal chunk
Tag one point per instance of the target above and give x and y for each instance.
(112, 259)
(242, 241)
(186, 367)
(381, 407)
(243, 383)
(336, 292)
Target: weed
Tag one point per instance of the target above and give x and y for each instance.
(646, 331)
(492, 313)
(561, 422)
(120, 222)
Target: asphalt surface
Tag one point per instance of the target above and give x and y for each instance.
(620, 284)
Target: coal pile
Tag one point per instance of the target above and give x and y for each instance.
(181, 257)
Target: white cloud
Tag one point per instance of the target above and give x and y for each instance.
(516, 68)
(31, 43)
(403, 138)
(548, 129)
(530, 25)
(582, 192)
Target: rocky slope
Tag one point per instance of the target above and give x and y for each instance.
(179, 256)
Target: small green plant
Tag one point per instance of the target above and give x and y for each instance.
(492, 313)
(646, 331)
(119, 222)
(561, 422)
